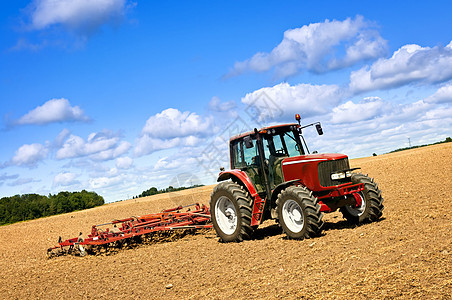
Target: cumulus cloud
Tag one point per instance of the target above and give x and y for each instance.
(61, 137)
(124, 162)
(442, 95)
(284, 100)
(29, 155)
(215, 104)
(80, 16)
(103, 145)
(146, 145)
(172, 123)
(174, 162)
(103, 182)
(55, 110)
(319, 47)
(374, 125)
(366, 109)
(65, 179)
(172, 128)
(409, 64)
(22, 181)
(5, 177)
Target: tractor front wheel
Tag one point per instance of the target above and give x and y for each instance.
(230, 209)
(299, 213)
(371, 202)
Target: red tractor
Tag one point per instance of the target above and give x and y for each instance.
(273, 176)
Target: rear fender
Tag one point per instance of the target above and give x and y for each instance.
(258, 203)
(239, 176)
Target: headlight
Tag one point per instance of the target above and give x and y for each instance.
(340, 175)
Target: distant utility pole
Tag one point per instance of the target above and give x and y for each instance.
(409, 142)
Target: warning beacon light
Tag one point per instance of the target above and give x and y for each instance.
(298, 118)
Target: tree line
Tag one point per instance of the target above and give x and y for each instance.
(447, 140)
(155, 191)
(32, 206)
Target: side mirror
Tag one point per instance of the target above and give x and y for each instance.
(248, 142)
(319, 129)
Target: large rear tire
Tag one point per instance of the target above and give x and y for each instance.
(299, 213)
(230, 209)
(371, 208)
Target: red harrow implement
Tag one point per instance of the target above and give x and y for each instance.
(194, 216)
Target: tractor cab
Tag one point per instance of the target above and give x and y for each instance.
(263, 152)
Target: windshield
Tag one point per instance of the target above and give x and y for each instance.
(292, 146)
(283, 144)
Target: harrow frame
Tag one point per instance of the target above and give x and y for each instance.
(195, 216)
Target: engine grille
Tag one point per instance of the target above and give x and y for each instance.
(325, 168)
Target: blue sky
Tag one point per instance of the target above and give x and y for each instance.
(116, 96)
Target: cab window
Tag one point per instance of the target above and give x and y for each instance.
(251, 155)
(237, 155)
(243, 156)
(293, 147)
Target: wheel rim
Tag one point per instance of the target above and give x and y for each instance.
(357, 211)
(226, 215)
(293, 216)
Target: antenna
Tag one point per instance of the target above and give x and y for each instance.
(409, 142)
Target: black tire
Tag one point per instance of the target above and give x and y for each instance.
(231, 198)
(298, 213)
(372, 202)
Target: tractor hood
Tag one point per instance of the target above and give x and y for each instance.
(312, 158)
(313, 168)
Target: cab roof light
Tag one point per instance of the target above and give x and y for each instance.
(298, 118)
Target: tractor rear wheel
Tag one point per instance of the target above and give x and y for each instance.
(230, 209)
(299, 213)
(371, 207)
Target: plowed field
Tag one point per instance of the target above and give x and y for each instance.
(406, 255)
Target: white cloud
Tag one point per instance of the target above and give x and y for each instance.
(29, 155)
(124, 162)
(22, 181)
(367, 109)
(103, 182)
(442, 95)
(5, 177)
(319, 47)
(438, 113)
(81, 16)
(374, 125)
(216, 105)
(172, 128)
(145, 145)
(409, 64)
(172, 123)
(175, 162)
(116, 150)
(55, 110)
(65, 179)
(284, 100)
(103, 145)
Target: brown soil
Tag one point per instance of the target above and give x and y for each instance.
(407, 254)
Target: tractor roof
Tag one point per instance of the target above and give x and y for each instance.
(235, 137)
